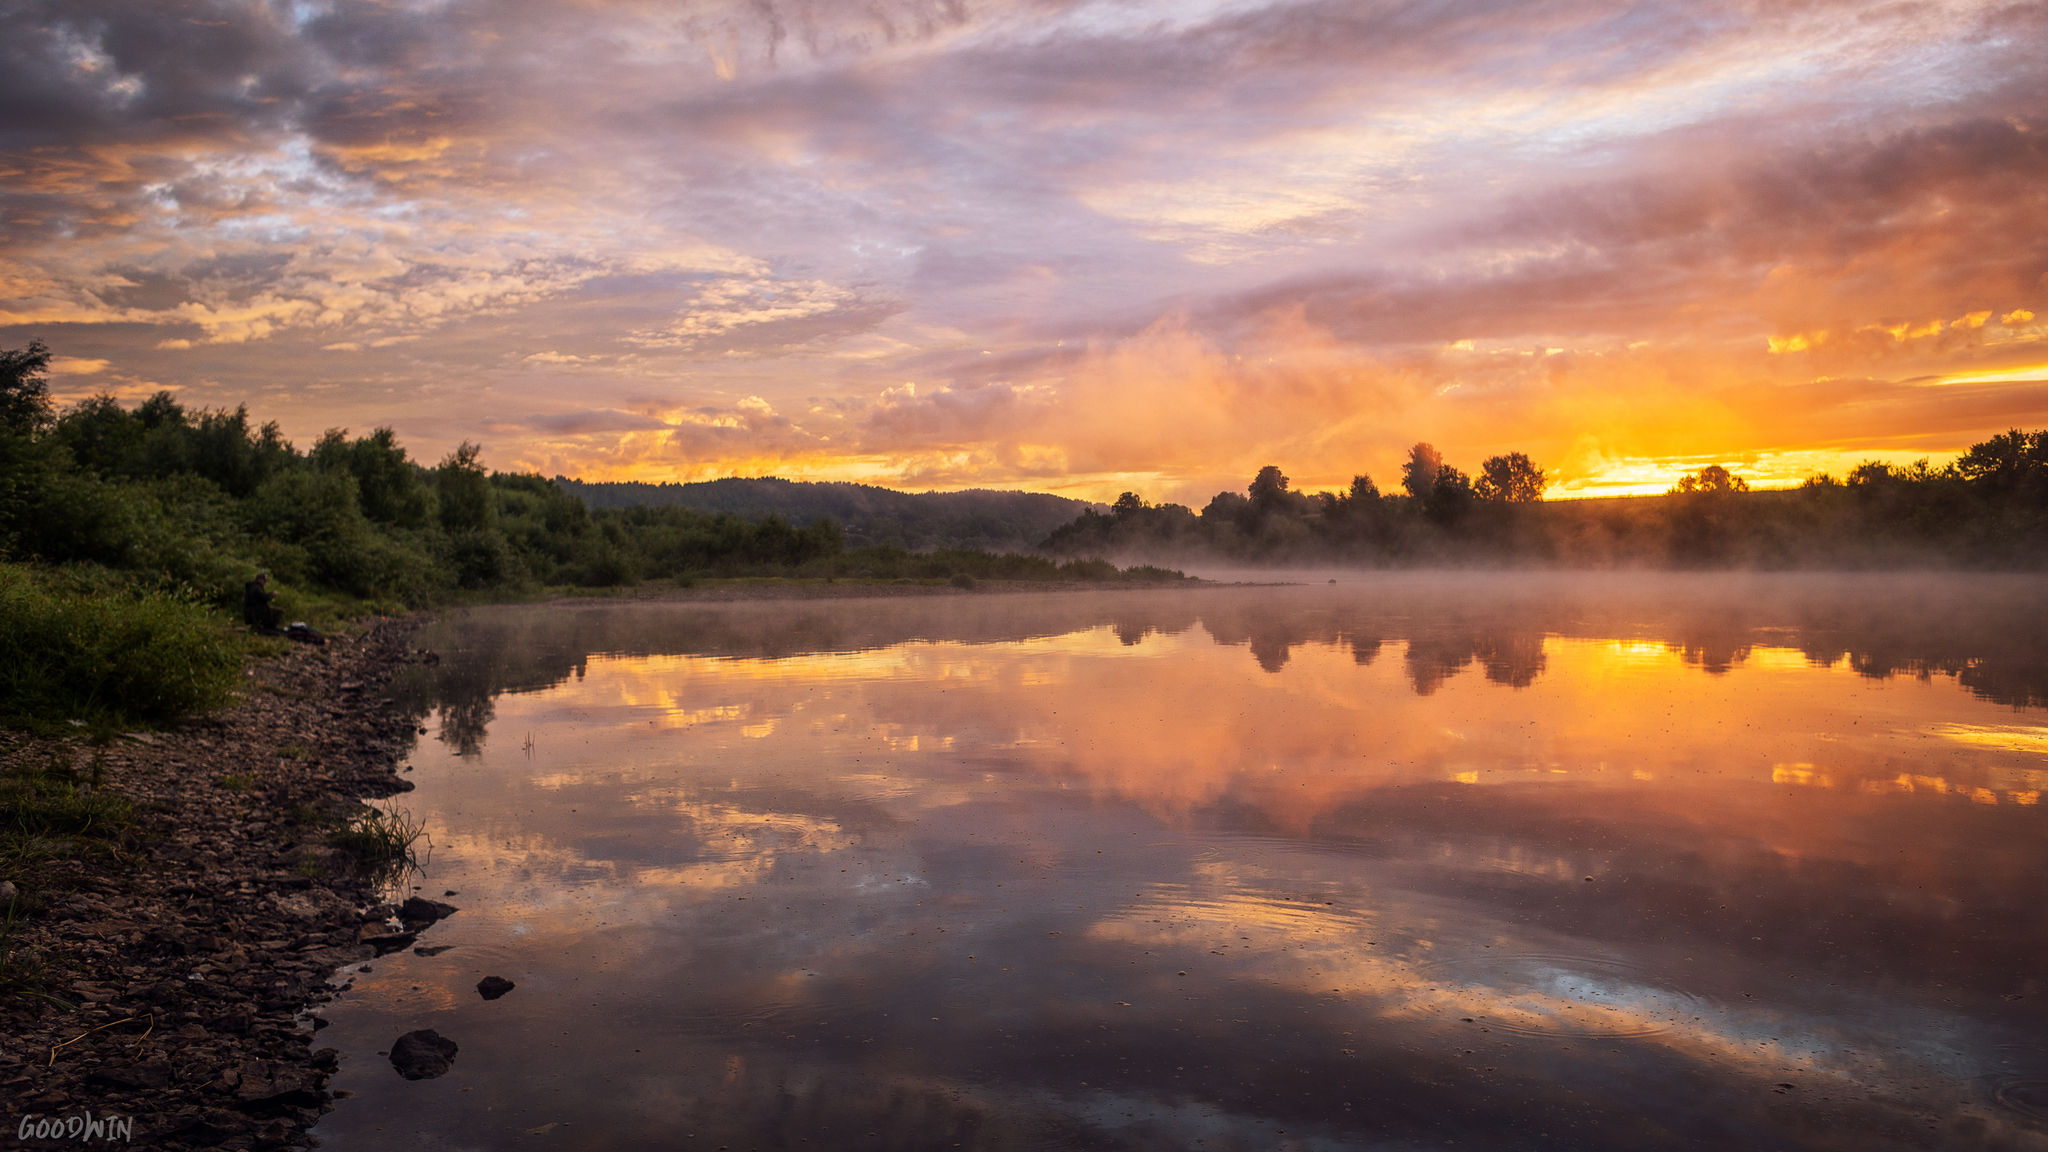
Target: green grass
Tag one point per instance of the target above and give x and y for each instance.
(237, 782)
(380, 838)
(49, 802)
(48, 811)
(93, 657)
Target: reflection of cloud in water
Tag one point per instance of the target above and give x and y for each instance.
(2030, 739)
(1031, 834)
(1364, 969)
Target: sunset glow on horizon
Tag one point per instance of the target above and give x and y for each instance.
(1075, 246)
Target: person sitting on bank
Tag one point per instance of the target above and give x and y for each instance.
(256, 609)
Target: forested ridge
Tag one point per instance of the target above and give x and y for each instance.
(975, 518)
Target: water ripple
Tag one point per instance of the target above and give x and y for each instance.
(1566, 994)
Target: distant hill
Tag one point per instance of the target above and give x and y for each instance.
(978, 518)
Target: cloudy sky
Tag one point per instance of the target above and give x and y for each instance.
(1069, 245)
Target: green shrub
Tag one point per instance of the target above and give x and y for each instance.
(480, 558)
(147, 657)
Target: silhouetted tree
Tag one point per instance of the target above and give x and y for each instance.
(1705, 523)
(161, 408)
(1712, 478)
(1510, 479)
(1450, 496)
(24, 392)
(1127, 505)
(1418, 475)
(1226, 508)
(1349, 511)
(2011, 462)
(1268, 490)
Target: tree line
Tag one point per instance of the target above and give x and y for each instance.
(920, 521)
(1988, 508)
(122, 528)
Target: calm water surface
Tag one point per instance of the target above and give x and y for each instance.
(1734, 862)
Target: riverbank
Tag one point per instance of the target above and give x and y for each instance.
(162, 974)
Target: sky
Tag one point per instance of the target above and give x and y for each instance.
(1078, 246)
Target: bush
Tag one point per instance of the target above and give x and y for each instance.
(106, 655)
(480, 558)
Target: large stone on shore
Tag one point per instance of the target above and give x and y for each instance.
(423, 1055)
(492, 987)
(416, 911)
(391, 942)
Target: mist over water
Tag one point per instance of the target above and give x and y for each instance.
(1614, 862)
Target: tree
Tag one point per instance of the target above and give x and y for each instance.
(1127, 505)
(1712, 478)
(1225, 508)
(102, 436)
(1268, 488)
(2010, 461)
(1418, 475)
(466, 500)
(24, 393)
(1450, 496)
(160, 409)
(386, 481)
(1510, 479)
(1363, 490)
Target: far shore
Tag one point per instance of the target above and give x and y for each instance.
(786, 588)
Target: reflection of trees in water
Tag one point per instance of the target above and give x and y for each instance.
(463, 722)
(1511, 659)
(482, 655)
(2013, 681)
(1133, 624)
(1272, 636)
(2015, 685)
(1431, 662)
(1992, 647)
(1271, 651)
(1711, 654)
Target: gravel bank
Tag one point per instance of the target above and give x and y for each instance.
(195, 946)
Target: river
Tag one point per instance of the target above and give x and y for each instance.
(1427, 860)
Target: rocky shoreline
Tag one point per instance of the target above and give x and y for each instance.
(195, 946)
